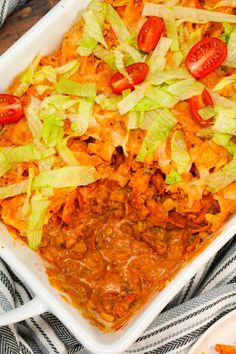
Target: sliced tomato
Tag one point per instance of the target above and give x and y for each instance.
(150, 34)
(205, 56)
(197, 102)
(11, 109)
(137, 73)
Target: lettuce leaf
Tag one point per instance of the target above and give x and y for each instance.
(25, 153)
(81, 122)
(222, 178)
(173, 177)
(53, 129)
(162, 98)
(37, 218)
(185, 89)
(173, 74)
(105, 55)
(70, 87)
(171, 28)
(225, 121)
(27, 77)
(93, 27)
(65, 177)
(14, 189)
(117, 24)
(130, 101)
(179, 152)
(156, 134)
(228, 80)
(231, 50)
(33, 120)
(157, 60)
(5, 165)
(188, 14)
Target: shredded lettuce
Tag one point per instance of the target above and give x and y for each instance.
(157, 60)
(69, 68)
(231, 52)
(117, 24)
(146, 104)
(70, 87)
(119, 62)
(65, 177)
(105, 55)
(86, 45)
(222, 178)
(46, 164)
(25, 153)
(43, 88)
(130, 101)
(53, 129)
(80, 122)
(222, 101)
(228, 80)
(179, 152)
(164, 76)
(33, 120)
(162, 98)
(13, 189)
(59, 102)
(188, 14)
(66, 154)
(27, 77)
(108, 103)
(99, 8)
(225, 121)
(93, 27)
(5, 165)
(46, 72)
(156, 134)
(207, 112)
(225, 141)
(149, 118)
(37, 217)
(227, 3)
(171, 28)
(132, 52)
(194, 37)
(135, 120)
(185, 89)
(173, 177)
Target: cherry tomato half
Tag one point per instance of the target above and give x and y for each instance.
(197, 102)
(11, 108)
(150, 34)
(205, 56)
(137, 73)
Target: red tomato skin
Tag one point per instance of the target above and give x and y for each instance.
(150, 34)
(215, 52)
(197, 102)
(11, 109)
(137, 73)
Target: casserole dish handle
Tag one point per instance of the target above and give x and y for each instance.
(32, 308)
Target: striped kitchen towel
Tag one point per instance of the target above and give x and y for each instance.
(209, 295)
(7, 7)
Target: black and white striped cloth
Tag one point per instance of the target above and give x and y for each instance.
(209, 295)
(7, 7)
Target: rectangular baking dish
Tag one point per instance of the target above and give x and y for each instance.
(46, 36)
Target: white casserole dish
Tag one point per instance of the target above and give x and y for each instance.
(46, 36)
